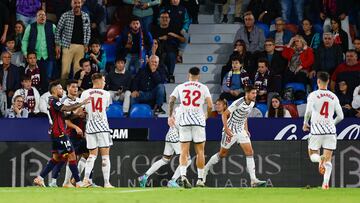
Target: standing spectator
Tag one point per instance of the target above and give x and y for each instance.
(33, 71)
(30, 95)
(356, 100)
(345, 99)
(287, 5)
(312, 38)
(17, 58)
(4, 23)
(253, 36)
(3, 102)
(220, 107)
(276, 109)
(328, 56)
(300, 58)
(262, 80)
(144, 11)
(96, 13)
(340, 36)
(97, 57)
(83, 76)
(357, 46)
(169, 40)
(280, 35)
(118, 83)
(19, 33)
(26, 10)
(225, 10)
(9, 76)
(192, 7)
(73, 35)
(135, 45)
(265, 11)
(148, 86)
(39, 37)
(17, 109)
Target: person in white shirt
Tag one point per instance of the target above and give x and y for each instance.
(30, 94)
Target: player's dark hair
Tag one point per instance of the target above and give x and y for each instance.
(96, 76)
(70, 82)
(53, 84)
(323, 76)
(249, 88)
(194, 71)
(25, 78)
(82, 61)
(237, 58)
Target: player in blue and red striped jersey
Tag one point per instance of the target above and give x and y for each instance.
(62, 149)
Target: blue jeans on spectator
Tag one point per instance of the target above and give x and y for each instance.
(134, 63)
(146, 22)
(286, 6)
(27, 20)
(47, 68)
(157, 95)
(170, 62)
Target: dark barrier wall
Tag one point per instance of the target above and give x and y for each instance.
(281, 163)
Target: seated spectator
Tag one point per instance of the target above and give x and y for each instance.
(83, 76)
(169, 40)
(253, 36)
(300, 58)
(280, 34)
(235, 81)
(238, 8)
(328, 56)
(345, 99)
(356, 101)
(148, 86)
(276, 109)
(3, 102)
(17, 58)
(26, 10)
(220, 107)
(97, 57)
(9, 76)
(118, 83)
(19, 33)
(357, 46)
(340, 36)
(265, 11)
(134, 44)
(33, 71)
(312, 38)
(348, 71)
(261, 80)
(17, 109)
(30, 95)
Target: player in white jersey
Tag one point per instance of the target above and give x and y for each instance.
(172, 145)
(97, 131)
(236, 131)
(192, 96)
(320, 108)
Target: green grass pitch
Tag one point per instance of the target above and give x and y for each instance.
(165, 195)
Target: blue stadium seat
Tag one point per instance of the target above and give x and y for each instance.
(262, 107)
(110, 50)
(265, 28)
(299, 102)
(115, 111)
(296, 86)
(140, 111)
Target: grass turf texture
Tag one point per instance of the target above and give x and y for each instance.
(162, 195)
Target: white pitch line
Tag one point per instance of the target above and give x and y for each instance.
(77, 191)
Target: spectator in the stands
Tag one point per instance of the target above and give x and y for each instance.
(357, 46)
(4, 23)
(252, 35)
(192, 8)
(348, 71)
(17, 109)
(19, 29)
(312, 38)
(345, 99)
(17, 58)
(169, 40)
(73, 36)
(265, 11)
(30, 95)
(26, 10)
(97, 57)
(83, 76)
(143, 9)
(262, 80)
(9, 76)
(134, 44)
(238, 8)
(356, 101)
(300, 58)
(235, 81)
(240, 51)
(39, 37)
(118, 83)
(3, 102)
(220, 107)
(328, 56)
(286, 9)
(280, 34)
(96, 14)
(148, 86)
(340, 36)
(33, 71)
(276, 109)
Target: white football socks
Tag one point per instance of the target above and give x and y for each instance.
(250, 164)
(155, 166)
(315, 158)
(328, 169)
(213, 160)
(177, 171)
(90, 161)
(105, 166)
(81, 165)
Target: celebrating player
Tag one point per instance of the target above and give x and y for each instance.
(61, 145)
(192, 96)
(321, 105)
(236, 131)
(97, 131)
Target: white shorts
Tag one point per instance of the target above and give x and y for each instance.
(322, 141)
(171, 148)
(239, 138)
(195, 134)
(100, 140)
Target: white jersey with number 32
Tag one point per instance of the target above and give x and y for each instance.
(192, 96)
(96, 120)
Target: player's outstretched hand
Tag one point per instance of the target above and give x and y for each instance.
(306, 127)
(229, 132)
(171, 121)
(87, 100)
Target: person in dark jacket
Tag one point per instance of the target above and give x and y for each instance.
(265, 11)
(96, 13)
(312, 38)
(9, 76)
(340, 36)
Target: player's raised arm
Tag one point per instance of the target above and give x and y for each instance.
(339, 112)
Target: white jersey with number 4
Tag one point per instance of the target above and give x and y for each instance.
(323, 104)
(96, 119)
(192, 96)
